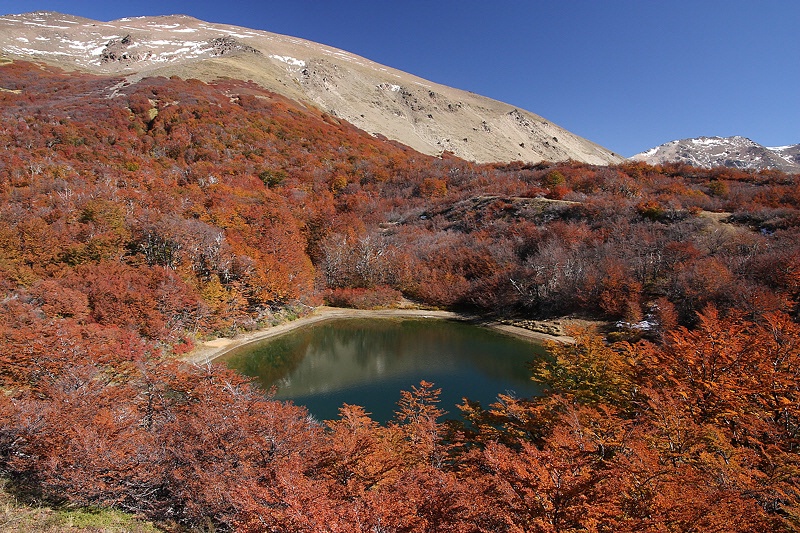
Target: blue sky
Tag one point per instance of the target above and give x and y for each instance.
(626, 74)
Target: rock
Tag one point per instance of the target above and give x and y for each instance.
(228, 45)
(117, 50)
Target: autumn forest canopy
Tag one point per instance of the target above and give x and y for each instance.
(137, 218)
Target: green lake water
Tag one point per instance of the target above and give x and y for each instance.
(368, 362)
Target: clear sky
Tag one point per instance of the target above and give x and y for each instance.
(627, 74)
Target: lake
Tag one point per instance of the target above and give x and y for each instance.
(368, 362)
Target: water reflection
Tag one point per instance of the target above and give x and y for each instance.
(369, 361)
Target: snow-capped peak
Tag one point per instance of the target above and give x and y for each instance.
(737, 152)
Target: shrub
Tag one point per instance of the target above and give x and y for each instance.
(360, 298)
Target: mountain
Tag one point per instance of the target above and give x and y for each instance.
(426, 116)
(736, 152)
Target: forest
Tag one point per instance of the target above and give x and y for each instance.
(139, 218)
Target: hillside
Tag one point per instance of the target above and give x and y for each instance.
(733, 152)
(426, 116)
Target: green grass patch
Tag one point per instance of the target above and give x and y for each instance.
(17, 516)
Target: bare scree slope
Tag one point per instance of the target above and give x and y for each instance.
(426, 116)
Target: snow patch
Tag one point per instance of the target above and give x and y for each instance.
(77, 45)
(232, 33)
(708, 141)
(651, 151)
(30, 51)
(35, 23)
(290, 60)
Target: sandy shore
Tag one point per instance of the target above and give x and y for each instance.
(210, 350)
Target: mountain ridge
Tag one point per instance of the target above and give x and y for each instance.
(427, 116)
(735, 152)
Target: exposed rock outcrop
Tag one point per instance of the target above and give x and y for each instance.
(119, 50)
(228, 45)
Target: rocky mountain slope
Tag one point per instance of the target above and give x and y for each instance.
(736, 152)
(429, 117)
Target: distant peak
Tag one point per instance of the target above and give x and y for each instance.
(736, 152)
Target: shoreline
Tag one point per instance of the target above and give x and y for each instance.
(206, 352)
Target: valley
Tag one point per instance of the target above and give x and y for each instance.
(151, 220)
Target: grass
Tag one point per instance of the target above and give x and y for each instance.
(21, 517)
